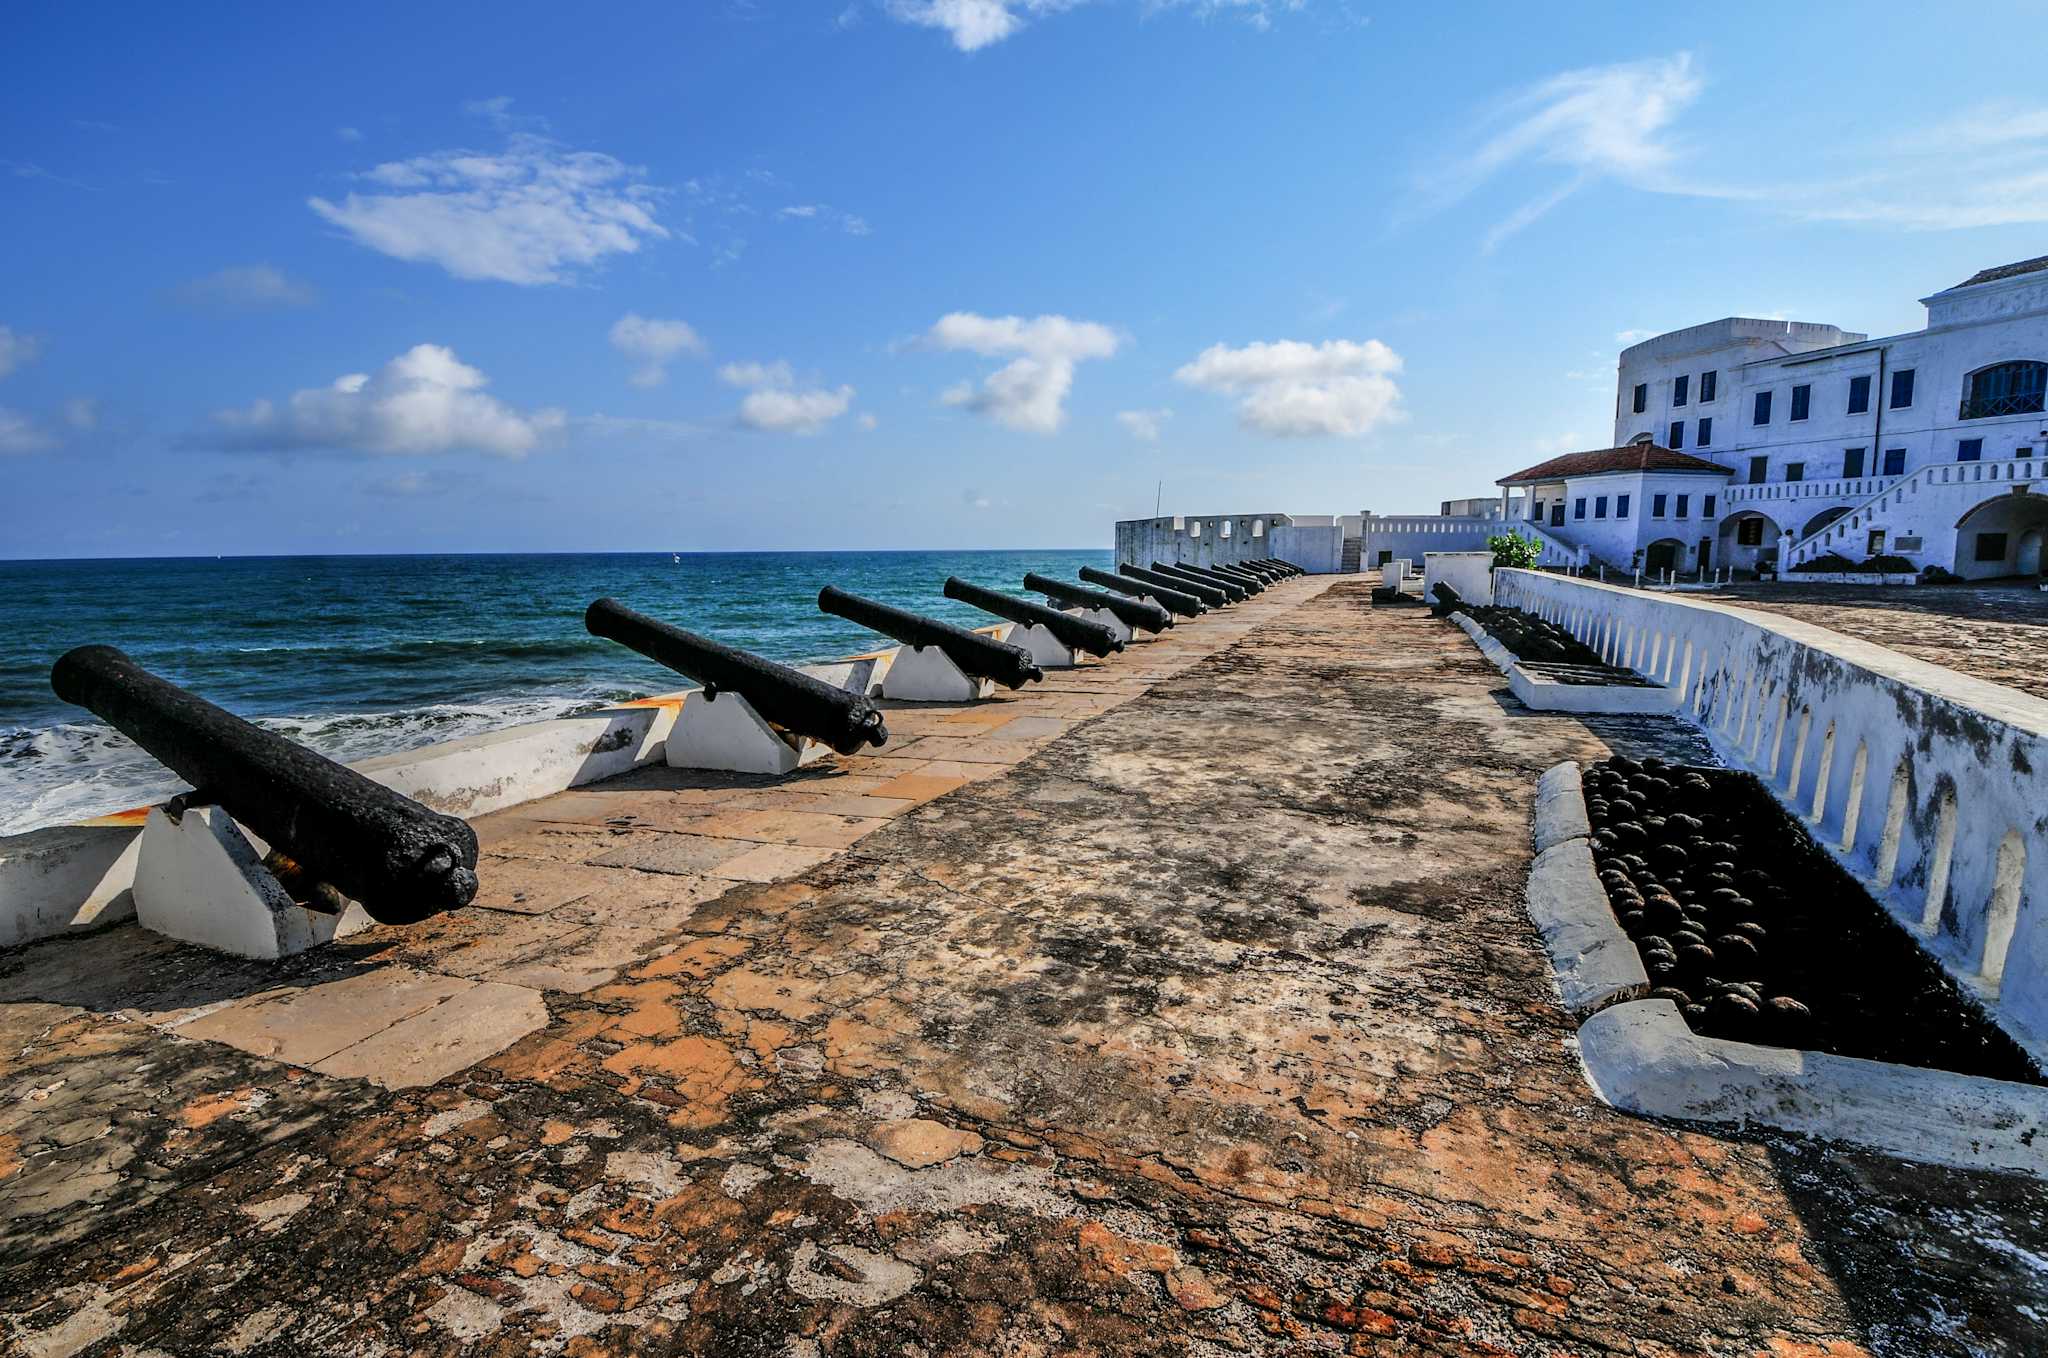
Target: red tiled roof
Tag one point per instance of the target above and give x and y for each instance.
(1635, 457)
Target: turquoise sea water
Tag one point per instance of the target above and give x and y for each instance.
(359, 656)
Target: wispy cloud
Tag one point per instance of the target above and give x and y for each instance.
(1144, 425)
(20, 434)
(424, 401)
(1029, 392)
(17, 349)
(653, 343)
(975, 24)
(1579, 127)
(775, 403)
(246, 287)
(535, 212)
(1292, 388)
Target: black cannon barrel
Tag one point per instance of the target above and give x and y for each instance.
(1077, 633)
(1256, 571)
(1176, 601)
(1210, 596)
(788, 697)
(1284, 567)
(402, 860)
(1231, 593)
(1252, 583)
(981, 656)
(1130, 612)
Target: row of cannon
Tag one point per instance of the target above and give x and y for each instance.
(337, 830)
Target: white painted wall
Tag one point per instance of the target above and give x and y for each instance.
(1924, 783)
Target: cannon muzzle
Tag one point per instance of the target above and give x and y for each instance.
(786, 696)
(1077, 633)
(1176, 601)
(1133, 613)
(402, 860)
(979, 656)
(1250, 584)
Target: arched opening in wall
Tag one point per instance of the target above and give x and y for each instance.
(1938, 864)
(1223, 528)
(1195, 529)
(2004, 914)
(1798, 751)
(1665, 554)
(1852, 810)
(1778, 739)
(1258, 528)
(2014, 387)
(1894, 826)
(1820, 775)
(2002, 536)
(1822, 520)
(1747, 540)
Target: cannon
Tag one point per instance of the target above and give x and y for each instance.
(402, 861)
(1176, 601)
(1135, 614)
(1286, 568)
(1264, 570)
(788, 697)
(1211, 596)
(1448, 600)
(1076, 634)
(1248, 571)
(1234, 594)
(1251, 583)
(975, 656)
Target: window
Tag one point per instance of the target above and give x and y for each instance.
(1707, 385)
(1749, 532)
(1678, 389)
(1859, 394)
(2004, 389)
(1759, 470)
(1600, 506)
(1970, 450)
(1657, 506)
(1795, 471)
(1763, 409)
(1990, 547)
(1802, 400)
(1707, 507)
(1895, 462)
(1536, 512)
(1677, 434)
(1642, 397)
(1621, 506)
(1852, 462)
(1681, 506)
(1579, 508)
(1706, 433)
(1902, 388)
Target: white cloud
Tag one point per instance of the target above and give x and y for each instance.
(533, 213)
(82, 412)
(867, 423)
(1601, 122)
(974, 499)
(348, 134)
(778, 405)
(653, 343)
(975, 24)
(17, 349)
(1144, 424)
(246, 287)
(1633, 336)
(424, 401)
(1030, 392)
(1289, 387)
(18, 434)
(800, 210)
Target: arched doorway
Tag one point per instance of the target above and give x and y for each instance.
(1747, 540)
(1822, 520)
(2002, 536)
(1665, 554)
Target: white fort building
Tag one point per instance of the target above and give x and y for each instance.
(1750, 443)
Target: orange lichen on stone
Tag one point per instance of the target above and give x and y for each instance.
(210, 1108)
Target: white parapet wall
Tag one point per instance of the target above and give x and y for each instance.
(1469, 573)
(1927, 785)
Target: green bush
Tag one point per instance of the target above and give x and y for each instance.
(1512, 549)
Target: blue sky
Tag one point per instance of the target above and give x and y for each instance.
(922, 273)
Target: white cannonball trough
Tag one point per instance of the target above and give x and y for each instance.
(1640, 1055)
(1541, 693)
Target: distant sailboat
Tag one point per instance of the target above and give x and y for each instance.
(675, 559)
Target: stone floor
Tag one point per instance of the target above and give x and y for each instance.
(1995, 631)
(1181, 1005)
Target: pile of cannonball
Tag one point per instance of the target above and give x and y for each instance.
(1533, 638)
(1701, 920)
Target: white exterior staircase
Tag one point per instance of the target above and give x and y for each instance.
(1955, 488)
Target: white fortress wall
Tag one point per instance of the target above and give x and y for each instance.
(1927, 785)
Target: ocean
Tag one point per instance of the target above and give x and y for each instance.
(366, 655)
